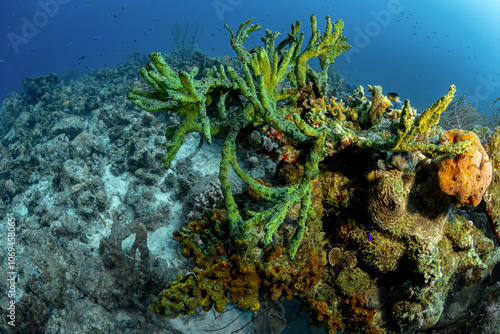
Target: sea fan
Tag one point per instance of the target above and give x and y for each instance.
(461, 114)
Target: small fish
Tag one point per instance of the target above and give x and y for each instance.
(394, 97)
(369, 238)
(96, 38)
(82, 57)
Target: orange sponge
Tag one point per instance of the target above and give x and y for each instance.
(466, 176)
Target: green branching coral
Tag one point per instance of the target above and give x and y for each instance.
(264, 71)
(408, 130)
(393, 219)
(326, 48)
(260, 88)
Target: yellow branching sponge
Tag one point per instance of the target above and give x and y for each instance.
(217, 279)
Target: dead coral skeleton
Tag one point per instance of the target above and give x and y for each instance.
(132, 281)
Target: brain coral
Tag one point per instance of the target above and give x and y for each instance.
(465, 176)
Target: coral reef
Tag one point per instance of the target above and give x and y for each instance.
(492, 196)
(337, 215)
(39, 86)
(339, 260)
(303, 236)
(379, 104)
(220, 278)
(397, 205)
(264, 69)
(70, 161)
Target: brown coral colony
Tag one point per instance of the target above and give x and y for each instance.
(339, 260)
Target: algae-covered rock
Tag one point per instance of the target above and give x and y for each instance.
(492, 195)
(36, 87)
(353, 282)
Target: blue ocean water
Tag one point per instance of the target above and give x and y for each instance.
(414, 48)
